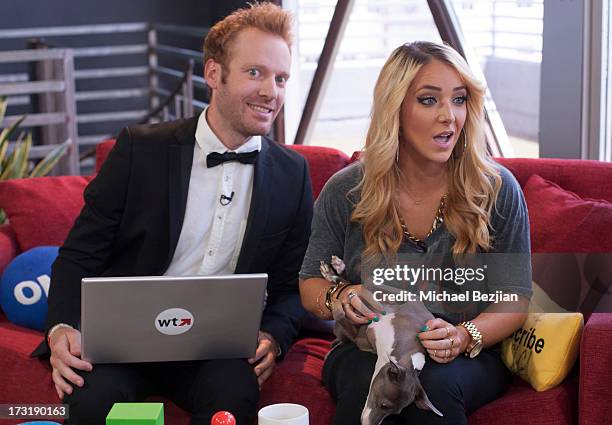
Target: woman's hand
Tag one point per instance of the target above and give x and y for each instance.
(359, 305)
(443, 341)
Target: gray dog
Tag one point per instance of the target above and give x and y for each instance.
(395, 383)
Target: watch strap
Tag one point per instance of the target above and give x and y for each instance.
(474, 334)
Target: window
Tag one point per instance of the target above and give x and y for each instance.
(506, 36)
(375, 28)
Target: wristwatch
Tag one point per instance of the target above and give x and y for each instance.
(475, 346)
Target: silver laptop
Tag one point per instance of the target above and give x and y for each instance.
(151, 319)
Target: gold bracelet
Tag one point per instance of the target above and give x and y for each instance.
(321, 311)
(328, 295)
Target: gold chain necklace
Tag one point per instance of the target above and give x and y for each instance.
(438, 220)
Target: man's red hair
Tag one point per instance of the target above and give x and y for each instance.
(265, 17)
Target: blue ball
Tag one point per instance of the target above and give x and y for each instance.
(40, 423)
(25, 285)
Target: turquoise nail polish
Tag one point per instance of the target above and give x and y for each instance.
(369, 321)
(424, 328)
(384, 313)
(376, 318)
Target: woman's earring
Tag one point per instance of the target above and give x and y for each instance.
(457, 155)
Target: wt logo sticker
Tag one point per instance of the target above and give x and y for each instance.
(174, 321)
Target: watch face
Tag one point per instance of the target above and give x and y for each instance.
(476, 350)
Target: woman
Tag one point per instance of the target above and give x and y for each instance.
(425, 162)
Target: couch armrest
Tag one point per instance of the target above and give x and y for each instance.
(8, 246)
(595, 394)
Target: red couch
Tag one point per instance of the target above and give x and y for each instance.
(584, 397)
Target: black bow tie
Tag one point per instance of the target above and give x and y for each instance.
(216, 158)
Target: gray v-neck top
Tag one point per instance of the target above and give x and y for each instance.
(509, 265)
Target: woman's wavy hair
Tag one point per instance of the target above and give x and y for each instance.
(474, 179)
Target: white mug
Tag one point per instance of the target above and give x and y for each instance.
(283, 414)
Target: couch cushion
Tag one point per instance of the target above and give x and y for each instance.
(543, 350)
(588, 179)
(322, 162)
(571, 238)
(24, 380)
(8, 245)
(562, 221)
(102, 151)
(523, 405)
(42, 210)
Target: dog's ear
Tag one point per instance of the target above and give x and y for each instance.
(396, 373)
(422, 401)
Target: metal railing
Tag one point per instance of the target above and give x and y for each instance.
(121, 72)
(56, 99)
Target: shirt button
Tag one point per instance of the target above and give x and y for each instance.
(210, 252)
(219, 217)
(227, 178)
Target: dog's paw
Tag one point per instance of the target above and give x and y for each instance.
(418, 360)
(338, 264)
(327, 272)
(338, 312)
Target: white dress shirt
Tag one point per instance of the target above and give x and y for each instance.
(212, 233)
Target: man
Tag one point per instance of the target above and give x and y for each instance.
(165, 203)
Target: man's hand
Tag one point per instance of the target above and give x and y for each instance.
(65, 345)
(265, 357)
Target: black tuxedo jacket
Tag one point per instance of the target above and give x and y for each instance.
(133, 214)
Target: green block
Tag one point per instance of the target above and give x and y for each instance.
(136, 414)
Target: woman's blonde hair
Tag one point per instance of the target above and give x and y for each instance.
(474, 180)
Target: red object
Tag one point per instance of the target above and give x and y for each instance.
(322, 163)
(584, 397)
(562, 221)
(8, 245)
(223, 418)
(42, 210)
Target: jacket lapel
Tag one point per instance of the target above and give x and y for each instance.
(180, 159)
(258, 210)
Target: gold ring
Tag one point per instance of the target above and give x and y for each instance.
(452, 341)
(351, 295)
(445, 355)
